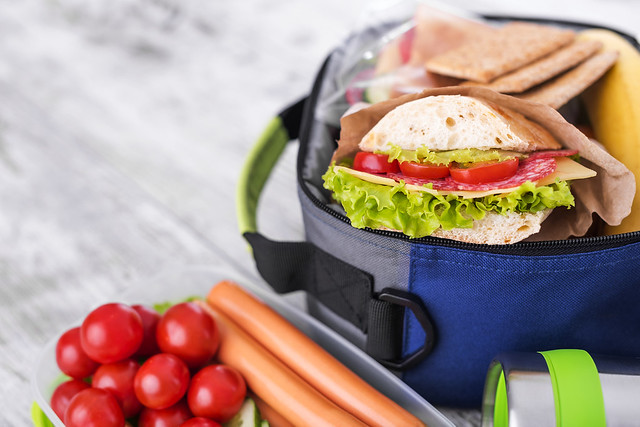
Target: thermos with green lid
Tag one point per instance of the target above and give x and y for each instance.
(562, 388)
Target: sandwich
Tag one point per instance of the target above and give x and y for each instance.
(457, 167)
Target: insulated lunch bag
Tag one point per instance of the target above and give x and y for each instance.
(432, 310)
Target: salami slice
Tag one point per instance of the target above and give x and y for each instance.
(530, 169)
(553, 153)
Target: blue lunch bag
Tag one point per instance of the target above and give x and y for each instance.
(433, 310)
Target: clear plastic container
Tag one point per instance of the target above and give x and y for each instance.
(197, 281)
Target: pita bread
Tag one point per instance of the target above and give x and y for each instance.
(451, 122)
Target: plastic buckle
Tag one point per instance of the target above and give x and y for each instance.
(415, 304)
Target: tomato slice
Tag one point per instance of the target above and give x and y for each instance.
(424, 170)
(374, 163)
(484, 172)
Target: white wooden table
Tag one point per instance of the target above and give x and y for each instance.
(123, 127)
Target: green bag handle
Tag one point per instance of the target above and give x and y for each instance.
(261, 161)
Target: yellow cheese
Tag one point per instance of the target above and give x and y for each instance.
(566, 170)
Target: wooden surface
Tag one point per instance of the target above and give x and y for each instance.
(123, 128)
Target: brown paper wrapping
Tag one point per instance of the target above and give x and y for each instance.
(609, 194)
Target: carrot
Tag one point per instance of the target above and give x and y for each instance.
(274, 382)
(270, 414)
(307, 359)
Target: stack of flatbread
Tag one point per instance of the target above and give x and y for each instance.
(531, 61)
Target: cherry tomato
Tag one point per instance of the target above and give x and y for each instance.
(71, 358)
(111, 332)
(200, 422)
(485, 172)
(150, 319)
(117, 378)
(93, 407)
(216, 391)
(161, 381)
(187, 331)
(63, 394)
(424, 170)
(374, 163)
(172, 416)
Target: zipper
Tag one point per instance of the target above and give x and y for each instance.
(542, 248)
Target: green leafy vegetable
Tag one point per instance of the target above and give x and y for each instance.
(467, 155)
(418, 214)
(162, 307)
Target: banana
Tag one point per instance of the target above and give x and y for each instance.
(613, 107)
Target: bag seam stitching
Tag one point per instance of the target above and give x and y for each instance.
(340, 291)
(531, 271)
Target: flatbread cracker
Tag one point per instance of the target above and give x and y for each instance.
(543, 69)
(557, 92)
(494, 54)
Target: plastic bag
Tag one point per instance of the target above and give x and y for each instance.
(385, 55)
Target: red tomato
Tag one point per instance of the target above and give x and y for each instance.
(374, 163)
(216, 391)
(200, 422)
(172, 416)
(63, 394)
(111, 332)
(485, 172)
(93, 407)
(117, 378)
(71, 358)
(150, 319)
(424, 170)
(187, 331)
(161, 381)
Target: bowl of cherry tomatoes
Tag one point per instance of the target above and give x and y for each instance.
(149, 359)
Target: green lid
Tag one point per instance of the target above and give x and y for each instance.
(576, 388)
(577, 392)
(501, 407)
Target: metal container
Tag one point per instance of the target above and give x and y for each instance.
(561, 388)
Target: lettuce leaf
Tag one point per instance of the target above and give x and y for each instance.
(418, 214)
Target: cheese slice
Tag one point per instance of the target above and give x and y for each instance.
(566, 170)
